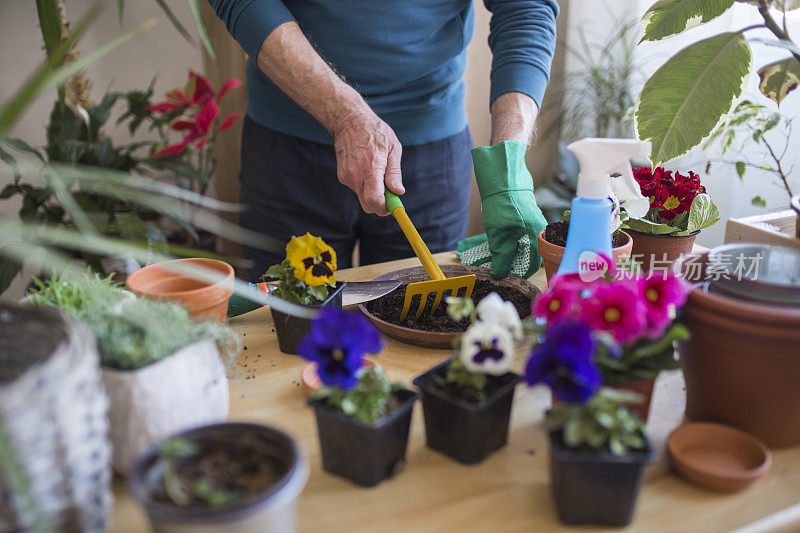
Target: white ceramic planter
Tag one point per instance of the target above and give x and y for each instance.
(184, 390)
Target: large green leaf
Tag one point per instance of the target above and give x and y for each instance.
(702, 214)
(671, 17)
(685, 99)
(779, 79)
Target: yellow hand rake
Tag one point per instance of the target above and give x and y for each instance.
(439, 283)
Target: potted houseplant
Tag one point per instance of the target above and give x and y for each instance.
(553, 239)
(634, 318)
(162, 370)
(306, 277)
(598, 447)
(679, 209)
(467, 399)
(362, 419)
(223, 477)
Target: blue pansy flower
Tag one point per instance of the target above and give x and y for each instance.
(337, 343)
(564, 362)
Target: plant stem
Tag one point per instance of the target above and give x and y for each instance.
(773, 26)
(779, 169)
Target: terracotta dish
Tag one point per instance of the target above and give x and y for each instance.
(438, 339)
(311, 381)
(717, 457)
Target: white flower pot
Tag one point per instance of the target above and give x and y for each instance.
(187, 389)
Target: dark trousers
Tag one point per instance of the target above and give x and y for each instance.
(289, 187)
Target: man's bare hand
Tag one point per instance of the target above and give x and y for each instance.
(367, 158)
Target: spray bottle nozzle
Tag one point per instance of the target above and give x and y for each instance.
(599, 158)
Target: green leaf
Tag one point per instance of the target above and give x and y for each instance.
(702, 214)
(740, 168)
(202, 30)
(778, 79)
(9, 268)
(685, 99)
(651, 228)
(174, 20)
(50, 25)
(671, 17)
(758, 201)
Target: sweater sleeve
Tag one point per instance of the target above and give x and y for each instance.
(522, 37)
(251, 21)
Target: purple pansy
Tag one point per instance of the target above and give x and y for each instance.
(487, 348)
(337, 343)
(564, 362)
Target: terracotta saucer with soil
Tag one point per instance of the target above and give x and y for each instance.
(439, 330)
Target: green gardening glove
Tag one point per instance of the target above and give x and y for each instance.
(508, 206)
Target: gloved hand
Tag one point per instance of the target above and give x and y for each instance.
(509, 207)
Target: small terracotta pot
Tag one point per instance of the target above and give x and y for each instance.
(742, 363)
(552, 254)
(643, 387)
(659, 251)
(200, 298)
(796, 207)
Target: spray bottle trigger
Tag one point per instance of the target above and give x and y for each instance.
(627, 190)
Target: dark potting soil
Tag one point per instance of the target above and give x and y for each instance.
(28, 336)
(556, 233)
(239, 470)
(389, 307)
(467, 394)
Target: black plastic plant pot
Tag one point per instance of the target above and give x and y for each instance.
(465, 431)
(291, 329)
(272, 509)
(596, 487)
(366, 455)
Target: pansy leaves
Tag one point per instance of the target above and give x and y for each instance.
(683, 102)
(778, 79)
(666, 18)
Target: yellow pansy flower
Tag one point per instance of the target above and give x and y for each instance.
(314, 262)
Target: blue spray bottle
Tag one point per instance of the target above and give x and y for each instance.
(590, 218)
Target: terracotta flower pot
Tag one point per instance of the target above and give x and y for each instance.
(552, 254)
(659, 251)
(796, 207)
(201, 299)
(643, 387)
(742, 364)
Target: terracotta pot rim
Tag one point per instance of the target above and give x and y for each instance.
(555, 246)
(663, 236)
(220, 285)
(726, 306)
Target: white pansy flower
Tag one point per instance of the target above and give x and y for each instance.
(487, 348)
(495, 310)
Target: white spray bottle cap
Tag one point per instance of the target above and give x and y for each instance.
(599, 158)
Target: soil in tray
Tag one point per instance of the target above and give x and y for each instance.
(236, 471)
(556, 233)
(390, 306)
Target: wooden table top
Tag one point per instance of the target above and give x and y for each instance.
(510, 491)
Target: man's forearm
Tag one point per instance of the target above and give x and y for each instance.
(513, 118)
(290, 61)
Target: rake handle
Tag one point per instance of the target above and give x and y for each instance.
(395, 206)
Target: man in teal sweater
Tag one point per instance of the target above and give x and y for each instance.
(346, 97)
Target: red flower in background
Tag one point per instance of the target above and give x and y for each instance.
(670, 194)
(197, 104)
